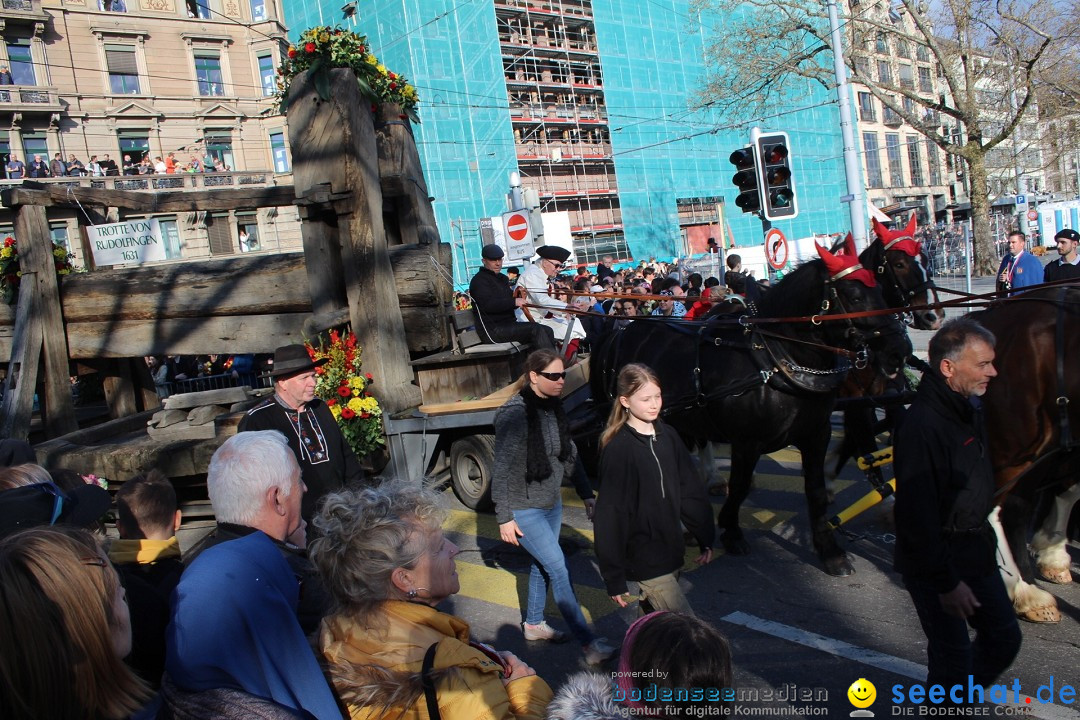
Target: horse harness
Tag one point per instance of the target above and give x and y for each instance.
(886, 270)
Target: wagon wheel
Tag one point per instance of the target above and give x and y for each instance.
(472, 462)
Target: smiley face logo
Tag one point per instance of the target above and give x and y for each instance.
(862, 693)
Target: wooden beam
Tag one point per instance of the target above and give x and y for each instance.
(146, 201)
(20, 383)
(36, 259)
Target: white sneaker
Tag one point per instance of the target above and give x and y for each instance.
(543, 631)
(598, 651)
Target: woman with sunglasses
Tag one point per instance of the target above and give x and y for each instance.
(533, 454)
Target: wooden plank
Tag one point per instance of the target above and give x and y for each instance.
(119, 388)
(20, 384)
(334, 151)
(185, 336)
(146, 201)
(36, 259)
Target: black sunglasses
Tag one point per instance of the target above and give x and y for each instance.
(553, 377)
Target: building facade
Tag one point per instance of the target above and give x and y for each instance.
(595, 106)
(146, 78)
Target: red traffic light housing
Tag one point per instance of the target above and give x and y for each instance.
(746, 179)
(777, 185)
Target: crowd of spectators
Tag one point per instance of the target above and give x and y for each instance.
(105, 166)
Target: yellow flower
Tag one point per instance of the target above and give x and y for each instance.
(6, 252)
(356, 383)
(356, 405)
(324, 37)
(336, 411)
(381, 68)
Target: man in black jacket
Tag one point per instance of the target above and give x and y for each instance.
(496, 305)
(1067, 266)
(945, 547)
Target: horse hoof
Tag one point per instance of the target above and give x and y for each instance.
(1059, 576)
(1047, 615)
(735, 546)
(839, 566)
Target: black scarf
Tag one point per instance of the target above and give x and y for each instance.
(537, 464)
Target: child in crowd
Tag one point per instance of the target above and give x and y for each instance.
(147, 556)
(648, 483)
(661, 651)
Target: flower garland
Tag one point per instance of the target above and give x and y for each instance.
(323, 48)
(11, 271)
(343, 385)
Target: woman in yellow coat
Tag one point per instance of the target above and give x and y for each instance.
(383, 556)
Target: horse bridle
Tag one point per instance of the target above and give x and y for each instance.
(888, 272)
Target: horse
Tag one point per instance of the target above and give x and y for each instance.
(762, 386)
(896, 259)
(1033, 418)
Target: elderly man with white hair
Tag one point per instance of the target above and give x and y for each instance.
(254, 485)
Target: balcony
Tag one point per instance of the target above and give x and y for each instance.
(891, 119)
(27, 11)
(29, 98)
(563, 151)
(566, 9)
(179, 181)
(555, 113)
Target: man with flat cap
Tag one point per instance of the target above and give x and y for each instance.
(496, 305)
(535, 279)
(1067, 266)
(327, 463)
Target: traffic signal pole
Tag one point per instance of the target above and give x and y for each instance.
(856, 196)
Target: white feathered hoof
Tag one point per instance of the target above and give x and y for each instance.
(1035, 605)
(1057, 575)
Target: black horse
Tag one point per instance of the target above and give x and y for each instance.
(764, 386)
(896, 259)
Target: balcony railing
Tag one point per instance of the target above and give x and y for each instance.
(22, 9)
(568, 150)
(891, 118)
(151, 183)
(29, 98)
(556, 112)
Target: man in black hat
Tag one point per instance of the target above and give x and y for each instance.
(1067, 266)
(327, 463)
(536, 280)
(496, 305)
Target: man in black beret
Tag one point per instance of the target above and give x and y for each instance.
(327, 463)
(536, 279)
(1067, 266)
(496, 305)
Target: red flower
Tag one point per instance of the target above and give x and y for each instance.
(360, 49)
(9, 241)
(351, 342)
(368, 376)
(320, 370)
(365, 416)
(392, 76)
(309, 48)
(335, 338)
(347, 413)
(331, 402)
(393, 86)
(374, 107)
(292, 52)
(344, 391)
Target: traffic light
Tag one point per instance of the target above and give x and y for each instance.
(746, 179)
(777, 186)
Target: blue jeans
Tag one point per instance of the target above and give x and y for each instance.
(951, 654)
(541, 540)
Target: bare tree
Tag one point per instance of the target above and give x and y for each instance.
(986, 55)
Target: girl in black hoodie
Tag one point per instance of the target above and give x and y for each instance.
(648, 485)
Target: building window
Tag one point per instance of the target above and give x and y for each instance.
(59, 234)
(123, 70)
(902, 49)
(922, 53)
(247, 228)
(909, 105)
(113, 5)
(281, 155)
(267, 75)
(915, 160)
(884, 73)
(907, 80)
(219, 232)
(862, 66)
(882, 45)
(208, 73)
(170, 235)
(34, 145)
(198, 9)
(926, 83)
(219, 147)
(21, 62)
(873, 160)
(258, 10)
(896, 163)
(135, 144)
(935, 162)
(866, 107)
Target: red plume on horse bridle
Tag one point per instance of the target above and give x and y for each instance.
(902, 239)
(844, 265)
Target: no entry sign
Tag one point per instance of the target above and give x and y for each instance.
(517, 226)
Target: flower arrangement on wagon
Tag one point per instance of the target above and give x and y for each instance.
(343, 385)
(323, 48)
(11, 271)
